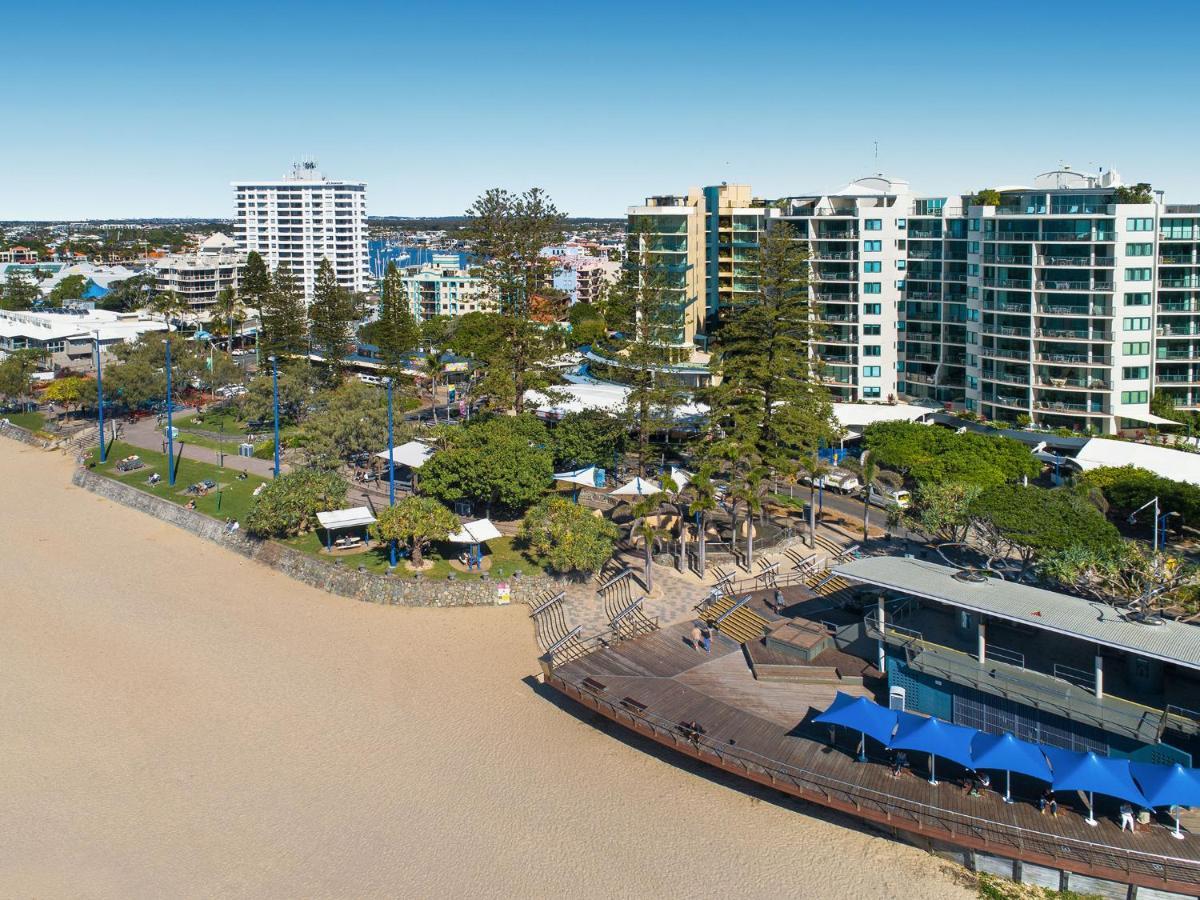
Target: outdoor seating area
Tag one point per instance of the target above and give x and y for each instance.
(1146, 784)
(346, 530)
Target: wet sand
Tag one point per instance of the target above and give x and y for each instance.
(179, 721)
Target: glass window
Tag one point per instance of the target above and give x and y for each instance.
(1139, 224)
(1137, 274)
(1135, 396)
(1139, 249)
(901, 264)
(1137, 299)
(1138, 324)
(872, 350)
(872, 309)
(872, 246)
(1135, 373)
(902, 223)
(872, 371)
(872, 392)
(873, 224)
(1136, 348)
(872, 330)
(974, 226)
(900, 284)
(873, 266)
(872, 287)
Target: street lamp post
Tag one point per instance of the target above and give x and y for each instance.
(391, 467)
(1133, 519)
(170, 427)
(100, 400)
(275, 389)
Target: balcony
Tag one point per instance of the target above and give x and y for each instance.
(1074, 310)
(1105, 286)
(832, 256)
(1006, 330)
(922, 295)
(1003, 353)
(1004, 306)
(1074, 334)
(1184, 281)
(1019, 284)
(1011, 237)
(924, 254)
(1005, 377)
(1177, 259)
(1174, 306)
(1013, 402)
(1067, 384)
(1179, 330)
(1073, 359)
(997, 260)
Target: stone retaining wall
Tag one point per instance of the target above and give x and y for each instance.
(24, 435)
(343, 580)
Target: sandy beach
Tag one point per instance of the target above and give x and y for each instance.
(178, 721)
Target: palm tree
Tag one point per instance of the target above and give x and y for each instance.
(168, 304)
(816, 470)
(748, 491)
(227, 311)
(646, 527)
(704, 501)
(873, 479)
(433, 366)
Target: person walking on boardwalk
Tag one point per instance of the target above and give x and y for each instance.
(706, 639)
(1127, 817)
(696, 637)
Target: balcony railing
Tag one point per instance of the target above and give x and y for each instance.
(1013, 283)
(1170, 306)
(1006, 330)
(1093, 384)
(1075, 286)
(1074, 359)
(1067, 406)
(1072, 310)
(1003, 353)
(1074, 334)
(1005, 377)
(1002, 306)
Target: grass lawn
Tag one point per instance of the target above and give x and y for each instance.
(505, 559)
(34, 421)
(233, 497)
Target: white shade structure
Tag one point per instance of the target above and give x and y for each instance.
(680, 478)
(585, 477)
(414, 454)
(476, 532)
(355, 517)
(639, 487)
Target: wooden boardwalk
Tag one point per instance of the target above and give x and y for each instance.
(759, 730)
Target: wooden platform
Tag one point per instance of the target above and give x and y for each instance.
(760, 731)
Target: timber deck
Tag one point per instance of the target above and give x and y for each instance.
(654, 683)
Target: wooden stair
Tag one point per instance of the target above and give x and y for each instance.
(742, 624)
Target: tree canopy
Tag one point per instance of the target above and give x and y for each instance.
(296, 389)
(16, 370)
(1126, 488)
(19, 291)
(70, 288)
(588, 437)
(415, 522)
(566, 537)
(332, 316)
(284, 316)
(289, 504)
(499, 461)
(348, 420)
(931, 454)
(395, 332)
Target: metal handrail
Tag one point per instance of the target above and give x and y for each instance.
(856, 795)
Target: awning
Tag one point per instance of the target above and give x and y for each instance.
(862, 715)
(355, 517)
(1167, 785)
(476, 532)
(931, 735)
(639, 487)
(1094, 774)
(585, 477)
(1147, 417)
(1005, 752)
(414, 454)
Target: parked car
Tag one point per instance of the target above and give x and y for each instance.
(370, 379)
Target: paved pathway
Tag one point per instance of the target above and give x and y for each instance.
(148, 434)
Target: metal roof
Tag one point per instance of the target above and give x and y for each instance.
(1086, 620)
(345, 518)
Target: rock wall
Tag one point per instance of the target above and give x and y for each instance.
(343, 580)
(24, 435)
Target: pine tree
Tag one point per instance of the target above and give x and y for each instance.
(284, 317)
(646, 310)
(18, 292)
(770, 402)
(396, 332)
(506, 233)
(253, 287)
(332, 317)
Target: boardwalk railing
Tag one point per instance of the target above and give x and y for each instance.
(972, 831)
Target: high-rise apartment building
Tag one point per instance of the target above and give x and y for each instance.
(1066, 304)
(303, 219)
(199, 277)
(443, 287)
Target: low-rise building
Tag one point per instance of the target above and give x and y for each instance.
(68, 336)
(18, 255)
(199, 277)
(443, 288)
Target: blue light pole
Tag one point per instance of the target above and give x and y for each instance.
(391, 467)
(100, 400)
(170, 428)
(275, 387)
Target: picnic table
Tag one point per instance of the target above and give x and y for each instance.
(129, 464)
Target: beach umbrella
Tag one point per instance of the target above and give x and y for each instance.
(935, 737)
(862, 715)
(1003, 751)
(1170, 786)
(1093, 774)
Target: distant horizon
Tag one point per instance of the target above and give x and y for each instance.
(598, 108)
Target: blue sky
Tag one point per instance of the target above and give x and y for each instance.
(138, 109)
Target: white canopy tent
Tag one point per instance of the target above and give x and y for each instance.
(1178, 465)
(639, 487)
(414, 454)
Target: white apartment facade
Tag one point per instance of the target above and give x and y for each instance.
(442, 288)
(199, 277)
(303, 219)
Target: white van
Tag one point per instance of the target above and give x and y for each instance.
(886, 497)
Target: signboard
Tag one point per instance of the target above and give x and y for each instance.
(503, 594)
